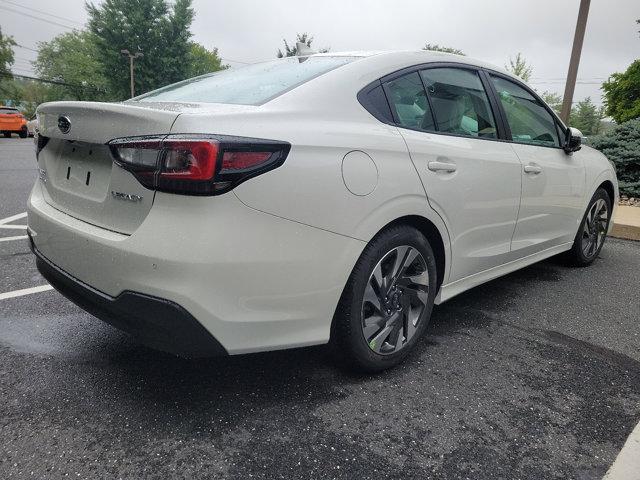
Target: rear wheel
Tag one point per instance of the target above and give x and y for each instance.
(592, 232)
(7, 134)
(387, 302)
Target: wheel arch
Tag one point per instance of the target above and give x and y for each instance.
(432, 234)
(607, 185)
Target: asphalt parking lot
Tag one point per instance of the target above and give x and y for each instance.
(532, 376)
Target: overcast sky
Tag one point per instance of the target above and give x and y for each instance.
(250, 31)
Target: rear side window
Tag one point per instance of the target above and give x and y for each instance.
(530, 122)
(251, 85)
(409, 104)
(459, 101)
(6, 111)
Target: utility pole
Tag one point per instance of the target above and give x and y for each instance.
(578, 38)
(132, 56)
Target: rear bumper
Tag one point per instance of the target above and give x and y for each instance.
(253, 281)
(155, 322)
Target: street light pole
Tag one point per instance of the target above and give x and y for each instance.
(131, 56)
(578, 38)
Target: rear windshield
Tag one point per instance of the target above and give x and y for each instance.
(250, 85)
(8, 110)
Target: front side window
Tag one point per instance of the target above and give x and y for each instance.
(528, 120)
(408, 102)
(459, 101)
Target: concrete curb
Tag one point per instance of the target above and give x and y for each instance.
(627, 464)
(626, 223)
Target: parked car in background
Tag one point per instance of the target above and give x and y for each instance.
(331, 198)
(32, 126)
(12, 121)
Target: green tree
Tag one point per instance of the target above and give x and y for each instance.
(434, 47)
(622, 94)
(621, 145)
(586, 117)
(292, 50)
(203, 61)
(6, 54)
(72, 58)
(520, 67)
(150, 26)
(554, 100)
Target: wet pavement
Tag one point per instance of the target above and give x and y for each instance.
(532, 376)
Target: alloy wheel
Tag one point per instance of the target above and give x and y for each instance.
(395, 299)
(595, 228)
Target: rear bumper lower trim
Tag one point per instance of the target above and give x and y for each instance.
(155, 322)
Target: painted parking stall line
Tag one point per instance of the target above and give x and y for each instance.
(13, 227)
(12, 218)
(25, 291)
(627, 464)
(10, 239)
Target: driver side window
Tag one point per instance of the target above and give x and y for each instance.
(528, 120)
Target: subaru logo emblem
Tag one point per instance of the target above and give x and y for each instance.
(64, 124)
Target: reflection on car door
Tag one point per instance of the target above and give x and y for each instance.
(471, 181)
(553, 183)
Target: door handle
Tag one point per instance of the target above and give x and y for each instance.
(442, 167)
(531, 168)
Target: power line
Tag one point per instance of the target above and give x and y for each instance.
(54, 82)
(27, 48)
(37, 18)
(43, 12)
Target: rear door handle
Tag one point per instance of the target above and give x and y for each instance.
(442, 167)
(531, 168)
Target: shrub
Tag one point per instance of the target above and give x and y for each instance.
(621, 145)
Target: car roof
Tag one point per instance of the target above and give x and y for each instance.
(408, 58)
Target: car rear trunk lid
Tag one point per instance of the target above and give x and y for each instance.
(77, 171)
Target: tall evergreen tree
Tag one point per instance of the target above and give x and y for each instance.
(161, 33)
(519, 67)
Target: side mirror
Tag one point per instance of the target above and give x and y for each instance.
(573, 141)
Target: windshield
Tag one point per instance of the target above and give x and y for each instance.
(251, 85)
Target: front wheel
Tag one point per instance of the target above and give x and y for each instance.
(387, 302)
(24, 133)
(592, 231)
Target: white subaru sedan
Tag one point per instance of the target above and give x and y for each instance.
(330, 198)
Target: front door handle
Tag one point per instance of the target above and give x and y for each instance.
(442, 167)
(531, 168)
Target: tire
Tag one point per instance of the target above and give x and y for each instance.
(7, 134)
(24, 133)
(590, 237)
(378, 332)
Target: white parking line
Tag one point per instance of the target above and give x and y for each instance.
(25, 291)
(8, 239)
(12, 218)
(14, 227)
(627, 464)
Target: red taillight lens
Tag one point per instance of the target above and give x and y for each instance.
(198, 164)
(243, 160)
(189, 160)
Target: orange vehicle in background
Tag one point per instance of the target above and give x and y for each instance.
(12, 121)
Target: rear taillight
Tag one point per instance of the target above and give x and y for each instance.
(40, 142)
(197, 164)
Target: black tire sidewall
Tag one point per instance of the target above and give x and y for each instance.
(578, 255)
(362, 357)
